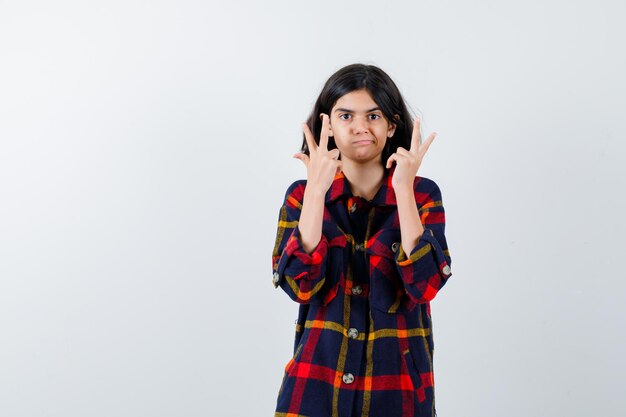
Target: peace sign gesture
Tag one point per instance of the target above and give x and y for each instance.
(321, 164)
(407, 162)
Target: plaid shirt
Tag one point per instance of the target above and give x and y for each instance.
(363, 342)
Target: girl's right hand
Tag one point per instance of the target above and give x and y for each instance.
(321, 164)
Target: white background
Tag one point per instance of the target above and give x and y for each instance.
(145, 149)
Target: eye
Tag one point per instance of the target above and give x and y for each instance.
(341, 116)
(374, 116)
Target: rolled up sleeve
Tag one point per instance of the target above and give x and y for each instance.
(300, 274)
(427, 268)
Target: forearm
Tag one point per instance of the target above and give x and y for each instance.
(300, 274)
(311, 218)
(411, 228)
(423, 262)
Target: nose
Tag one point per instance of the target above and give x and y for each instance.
(360, 125)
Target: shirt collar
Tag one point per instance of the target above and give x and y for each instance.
(385, 196)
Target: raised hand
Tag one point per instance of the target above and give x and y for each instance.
(408, 161)
(321, 164)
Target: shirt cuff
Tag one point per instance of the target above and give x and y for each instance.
(425, 258)
(297, 264)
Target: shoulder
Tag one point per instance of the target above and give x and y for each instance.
(426, 189)
(295, 193)
(424, 184)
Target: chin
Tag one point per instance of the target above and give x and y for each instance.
(366, 158)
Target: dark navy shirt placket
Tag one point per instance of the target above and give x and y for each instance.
(358, 324)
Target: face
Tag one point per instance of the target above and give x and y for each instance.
(359, 127)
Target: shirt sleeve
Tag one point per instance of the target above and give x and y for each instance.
(427, 268)
(300, 274)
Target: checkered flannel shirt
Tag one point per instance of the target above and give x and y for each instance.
(363, 342)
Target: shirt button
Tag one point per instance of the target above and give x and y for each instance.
(348, 378)
(359, 247)
(353, 333)
(446, 270)
(353, 208)
(276, 278)
(395, 246)
(357, 290)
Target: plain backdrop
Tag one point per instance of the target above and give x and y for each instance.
(146, 146)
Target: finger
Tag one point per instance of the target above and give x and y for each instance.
(403, 152)
(393, 157)
(334, 153)
(426, 144)
(308, 135)
(303, 157)
(416, 137)
(324, 133)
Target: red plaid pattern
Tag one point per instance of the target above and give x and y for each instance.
(363, 343)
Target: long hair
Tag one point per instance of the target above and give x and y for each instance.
(383, 91)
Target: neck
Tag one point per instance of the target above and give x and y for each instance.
(365, 178)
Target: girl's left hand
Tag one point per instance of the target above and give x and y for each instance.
(408, 162)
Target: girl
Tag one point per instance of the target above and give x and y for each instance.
(361, 246)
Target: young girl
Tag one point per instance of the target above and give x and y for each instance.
(361, 246)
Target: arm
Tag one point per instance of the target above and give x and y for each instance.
(410, 223)
(311, 218)
(300, 272)
(426, 268)
(422, 259)
(299, 257)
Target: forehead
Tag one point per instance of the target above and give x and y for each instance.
(357, 101)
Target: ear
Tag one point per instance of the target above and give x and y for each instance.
(392, 127)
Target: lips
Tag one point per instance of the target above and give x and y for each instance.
(363, 142)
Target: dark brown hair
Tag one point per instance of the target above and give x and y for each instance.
(383, 91)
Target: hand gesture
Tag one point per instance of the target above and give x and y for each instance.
(321, 164)
(408, 162)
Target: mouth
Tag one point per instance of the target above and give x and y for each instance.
(362, 142)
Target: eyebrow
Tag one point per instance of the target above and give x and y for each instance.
(352, 111)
